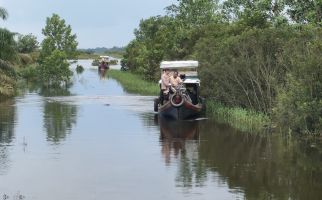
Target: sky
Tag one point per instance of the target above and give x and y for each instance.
(97, 23)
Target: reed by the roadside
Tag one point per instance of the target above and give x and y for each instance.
(239, 118)
(134, 83)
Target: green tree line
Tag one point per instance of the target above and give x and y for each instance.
(262, 55)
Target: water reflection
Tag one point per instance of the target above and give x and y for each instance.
(7, 121)
(7, 125)
(175, 136)
(271, 166)
(47, 91)
(264, 166)
(102, 73)
(179, 145)
(58, 91)
(59, 118)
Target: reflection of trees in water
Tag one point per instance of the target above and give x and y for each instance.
(179, 140)
(59, 119)
(264, 166)
(7, 121)
(4, 159)
(47, 92)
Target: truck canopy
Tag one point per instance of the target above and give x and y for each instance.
(191, 64)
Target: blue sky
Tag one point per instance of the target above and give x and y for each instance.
(97, 23)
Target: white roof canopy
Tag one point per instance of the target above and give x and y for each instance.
(179, 64)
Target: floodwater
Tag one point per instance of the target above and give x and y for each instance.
(95, 141)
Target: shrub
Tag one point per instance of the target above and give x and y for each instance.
(55, 69)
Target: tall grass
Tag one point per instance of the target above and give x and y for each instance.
(133, 83)
(239, 118)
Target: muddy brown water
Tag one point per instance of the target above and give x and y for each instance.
(95, 141)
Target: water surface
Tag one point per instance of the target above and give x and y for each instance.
(95, 141)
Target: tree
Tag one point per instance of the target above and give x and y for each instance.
(59, 45)
(27, 43)
(58, 36)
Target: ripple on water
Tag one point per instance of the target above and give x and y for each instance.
(133, 103)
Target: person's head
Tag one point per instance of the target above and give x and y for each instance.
(175, 74)
(166, 71)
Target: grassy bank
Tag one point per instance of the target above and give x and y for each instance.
(133, 83)
(239, 118)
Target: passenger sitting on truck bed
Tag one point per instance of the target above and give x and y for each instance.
(165, 85)
(175, 80)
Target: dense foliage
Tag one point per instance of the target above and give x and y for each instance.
(259, 55)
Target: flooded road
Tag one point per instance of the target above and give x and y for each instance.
(95, 141)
